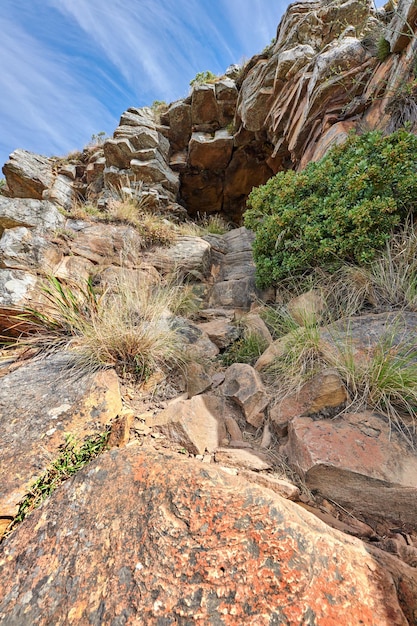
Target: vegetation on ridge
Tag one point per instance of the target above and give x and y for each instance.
(342, 208)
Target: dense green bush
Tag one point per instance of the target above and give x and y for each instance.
(342, 208)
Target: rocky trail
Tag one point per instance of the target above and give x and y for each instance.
(216, 496)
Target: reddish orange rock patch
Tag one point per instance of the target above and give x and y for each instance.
(144, 538)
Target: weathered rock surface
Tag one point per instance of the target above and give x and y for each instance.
(322, 393)
(233, 269)
(17, 287)
(22, 249)
(210, 152)
(197, 424)
(39, 404)
(191, 255)
(243, 458)
(220, 331)
(105, 244)
(27, 174)
(243, 384)
(15, 212)
(359, 337)
(358, 461)
(275, 562)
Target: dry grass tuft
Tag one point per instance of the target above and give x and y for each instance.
(130, 326)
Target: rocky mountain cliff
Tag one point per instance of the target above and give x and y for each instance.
(218, 495)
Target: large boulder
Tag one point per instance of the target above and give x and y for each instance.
(27, 174)
(105, 244)
(204, 111)
(189, 255)
(39, 404)
(358, 461)
(210, 152)
(179, 115)
(244, 385)
(22, 248)
(30, 213)
(140, 537)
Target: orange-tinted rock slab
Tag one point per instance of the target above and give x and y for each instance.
(39, 404)
(144, 538)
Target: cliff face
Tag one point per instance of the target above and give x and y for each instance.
(320, 79)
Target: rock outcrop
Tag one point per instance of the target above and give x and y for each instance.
(141, 534)
(216, 549)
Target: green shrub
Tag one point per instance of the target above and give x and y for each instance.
(340, 209)
(203, 77)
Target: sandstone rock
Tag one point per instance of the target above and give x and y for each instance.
(17, 288)
(142, 117)
(178, 161)
(226, 96)
(120, 429)
(190, 255)
(95, 170)
(28, 174)
(358, 337)
(247, 169)
(24, 249)
(255, 325)
(29, 213)
(75, 269)
(156, 171)
(243, 384)
(322, 393)
(196, 343)
(278, 485)
(243, 458)
(204, 110)
(307, 308)
(220, 331)
(179, 114)
(39, 404)
(202, 192)
(399, 30)
(210, 152)
(234, 293)
(105, 243)
(242, 554)
(198, 380)
(61, 192)
(196, 424)
(290, 61)
(357, 461)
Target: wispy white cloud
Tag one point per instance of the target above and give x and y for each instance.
(69, 68)
(42, 103)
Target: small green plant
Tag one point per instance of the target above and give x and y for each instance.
(384, 380)
(159, 107)
(98, 139)
(383, 49)
(70, 460)
(203, 77)
(300, 359)
(340, 209)
(207, 225)
(2, 183)
(247, 349)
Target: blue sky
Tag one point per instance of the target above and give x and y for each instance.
(69, 68)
